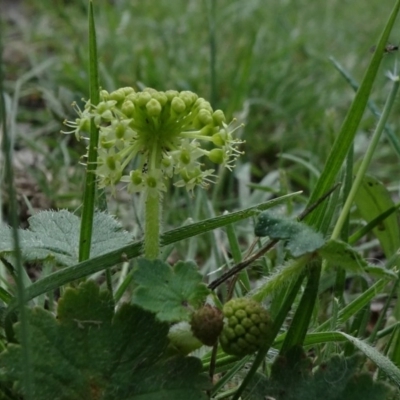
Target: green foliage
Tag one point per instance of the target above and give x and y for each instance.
(91, 352)
(173, 293)
(341, 254)
(337, 379)
(54, 236)
(372, 200)
(300, 238)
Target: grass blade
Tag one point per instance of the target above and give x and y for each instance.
(380, 360)
(90, 180)
(349, 127)
(27, 381)
(88, 267)
(340, 149)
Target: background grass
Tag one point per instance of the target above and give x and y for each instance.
(273, 74)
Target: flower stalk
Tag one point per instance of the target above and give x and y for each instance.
(149, 138)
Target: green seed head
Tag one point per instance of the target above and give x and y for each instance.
(246, 327)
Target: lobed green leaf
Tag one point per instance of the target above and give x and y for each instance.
(91, 352)
(54, 235)
(173, 293)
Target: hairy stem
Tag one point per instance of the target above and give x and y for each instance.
(152, 226)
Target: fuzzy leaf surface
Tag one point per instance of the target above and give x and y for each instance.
(170, 292)
(300, 238)
(337, 379)
(90, 352)
(54, 235)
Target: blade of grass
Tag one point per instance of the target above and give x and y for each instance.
(90, 179)
(356, 305)
(349, 127)
(340, 149)
(371, 105)
(25, 339)
(230, 374)
(301, 319)
(387, 366)
(344, 234)
(88, 267)
(367, 158)
(384, 312)
(372, 224)
(243, 277)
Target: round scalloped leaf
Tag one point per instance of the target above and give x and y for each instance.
(173, 293)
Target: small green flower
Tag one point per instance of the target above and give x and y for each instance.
(163, 132)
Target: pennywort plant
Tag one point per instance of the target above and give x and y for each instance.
(161, 331)
(149, 138)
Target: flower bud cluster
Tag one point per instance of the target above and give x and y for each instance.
(161, 134)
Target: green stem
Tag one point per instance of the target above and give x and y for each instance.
(152, 226)
(152, 211)
(367, 159)
(211, 10)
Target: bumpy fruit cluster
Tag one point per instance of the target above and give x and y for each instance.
(246, 327)
(207, 324)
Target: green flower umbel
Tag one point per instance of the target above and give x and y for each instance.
(161, 134)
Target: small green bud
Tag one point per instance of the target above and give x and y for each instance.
(111, 163)
(104, 95)
(171, 94)
(104, 109)
(218, 140)
(120, 130)
(207, 130)
(216, 156)
(136, 177)
(205, 117)
(218, 117)
(118, 95)
(189, 98)
(185, 157)
(128, 108)
(84, 124)
(153, 108)
(128, 90)
(161, 98)
(178, 105)
(142, 99)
